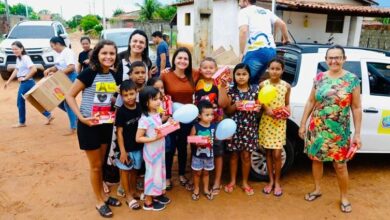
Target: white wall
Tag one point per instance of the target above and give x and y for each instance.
(185, 34)
(355, 31)
(350, 2)
(316, 30)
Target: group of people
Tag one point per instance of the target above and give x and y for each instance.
(142, 104)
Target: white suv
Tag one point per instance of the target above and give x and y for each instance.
(35, 37)
(302, 63)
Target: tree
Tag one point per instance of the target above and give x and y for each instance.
(117, 12)
(2, 8)
(148, 9)
(57, 17)
(75, 21)
(166, 13)
(89, 22)
(44, 12)
(20, 9)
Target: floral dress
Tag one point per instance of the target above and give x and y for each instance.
(272, 131)
(246, 136)
(328, 135)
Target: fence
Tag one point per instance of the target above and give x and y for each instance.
(377, 37)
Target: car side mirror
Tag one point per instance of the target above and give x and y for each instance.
(5, 35)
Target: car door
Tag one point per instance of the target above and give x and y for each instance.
(375, 130)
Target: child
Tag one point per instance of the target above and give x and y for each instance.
(24, 72)
(245, 140)
(207, 90)
(98, 86)
(154, 149)
(272, 130)
(130, 151)
(202, 154)
(166, 103)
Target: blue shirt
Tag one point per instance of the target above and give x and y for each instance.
(161, 49)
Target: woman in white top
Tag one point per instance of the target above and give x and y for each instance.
(24, 72)
(65, 62)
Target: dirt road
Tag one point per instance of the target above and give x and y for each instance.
(45, 176)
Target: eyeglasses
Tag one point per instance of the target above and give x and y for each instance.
(338, 58)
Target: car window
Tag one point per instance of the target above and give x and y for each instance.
(351, 66)
(32, 32)
(59, 29)
(291, 70)
(121, 39)
(379, 77)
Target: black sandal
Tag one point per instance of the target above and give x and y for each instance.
(209, 195)
(195, 196)
(104, 211)
(113, 202)
(312, 196)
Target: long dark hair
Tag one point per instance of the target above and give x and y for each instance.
(237, 67)
(276, 60)
(58, 40)
(20, 46)
(188, 70)
(145, 53)
(147, 93)
(94, 63)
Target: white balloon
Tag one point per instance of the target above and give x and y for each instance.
(225, 129)
(186, 113)
(176, 106)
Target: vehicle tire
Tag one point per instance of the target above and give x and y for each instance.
(259, 171)
(5, 75)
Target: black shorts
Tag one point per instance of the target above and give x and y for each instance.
(219, 148)
(90, 138)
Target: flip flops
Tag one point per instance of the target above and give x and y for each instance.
(133, 204)
(268, 189)
(229, 188)
(216, 190)
(312, 196)
(209, 195)
(278, 192)
(346, 208)
(195, 196)
(248, 190)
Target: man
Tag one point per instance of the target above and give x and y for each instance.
(257, 45)
(162, 52)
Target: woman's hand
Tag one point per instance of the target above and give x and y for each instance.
(47, 72)
(357, 141)
(124, 158)
(302, 132)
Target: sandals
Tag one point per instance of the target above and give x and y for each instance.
(169, 186)
(189, 186)
(133, 204)
(229, 188)
(346, 208)
(195, 196)
(209, 195)
(312, 196)
(248, 190)
(104, 211)
(113, 202)
(278, 192)
(216, 190)
(183, 181)
(268, 189)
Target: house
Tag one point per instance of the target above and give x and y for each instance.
(125, 20)
(309, 21)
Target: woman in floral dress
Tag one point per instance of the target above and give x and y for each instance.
(334, 94)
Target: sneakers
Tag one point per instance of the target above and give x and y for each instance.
(162, 199)
(154, 206)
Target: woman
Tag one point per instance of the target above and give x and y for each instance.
(334, 93)
(84, 55)
(179, 83)
(24, 72)
(65, 62)
(98, 86)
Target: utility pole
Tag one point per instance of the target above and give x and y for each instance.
(25, 5)
(273, 6)
(7, 13)
(104, 15)
(203, 30)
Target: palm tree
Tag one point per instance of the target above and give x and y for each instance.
(148, 9)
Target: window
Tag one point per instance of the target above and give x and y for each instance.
(351, 66)
(187, 19)
(291, 70)
(379, 77)
(334, 23)
(31, 32)
(59, 29)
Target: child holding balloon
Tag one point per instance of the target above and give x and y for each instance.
(272, 129)
(244, 110)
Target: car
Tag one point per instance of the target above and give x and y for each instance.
(120, 36)
(302, 63)
(35, 37)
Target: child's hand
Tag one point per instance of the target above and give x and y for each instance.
(124, 158)
(91, 121)
(158, 135)
(302, 132)
(257, 107)
(269, 112)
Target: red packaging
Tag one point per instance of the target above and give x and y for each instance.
(352, 151)
(196, 139)
(281, 113)
(246, 105)
(103, 115)
(222, 73)
(168, 127)
(167, 105)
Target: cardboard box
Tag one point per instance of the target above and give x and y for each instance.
(49, 92)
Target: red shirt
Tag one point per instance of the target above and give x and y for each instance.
(180, 89)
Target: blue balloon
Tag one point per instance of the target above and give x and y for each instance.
(225, 129)
(186, 113)
(176, 106)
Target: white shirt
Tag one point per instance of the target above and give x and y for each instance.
(65, 58)
(23, 65)
(260, 21)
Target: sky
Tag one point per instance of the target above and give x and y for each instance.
(82, 7)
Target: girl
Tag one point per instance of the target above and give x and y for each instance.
(98, 85)
(24, 72)
(84, 55)
(272, 130)
(245, 140)
(179, 82)
(207, 90)
(154, 149)
(64, 62)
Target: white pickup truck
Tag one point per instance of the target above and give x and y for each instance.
(302, 63)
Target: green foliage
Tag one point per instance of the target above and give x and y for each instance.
(148, 9)
(75, 21)
(98, 28)
(166, 13)
(2, 8)
(117, 12)
(20, 9)
(89, 22)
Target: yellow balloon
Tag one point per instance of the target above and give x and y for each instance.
(267, 94)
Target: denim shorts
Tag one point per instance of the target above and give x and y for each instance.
(135, 161)
(198, 164)
(257, 61)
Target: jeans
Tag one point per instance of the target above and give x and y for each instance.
(24, 87)
(66, 108)
(257, 61)
(178, 140)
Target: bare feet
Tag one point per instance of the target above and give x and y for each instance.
(71, 132)
(19, 125)
(49, 120)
